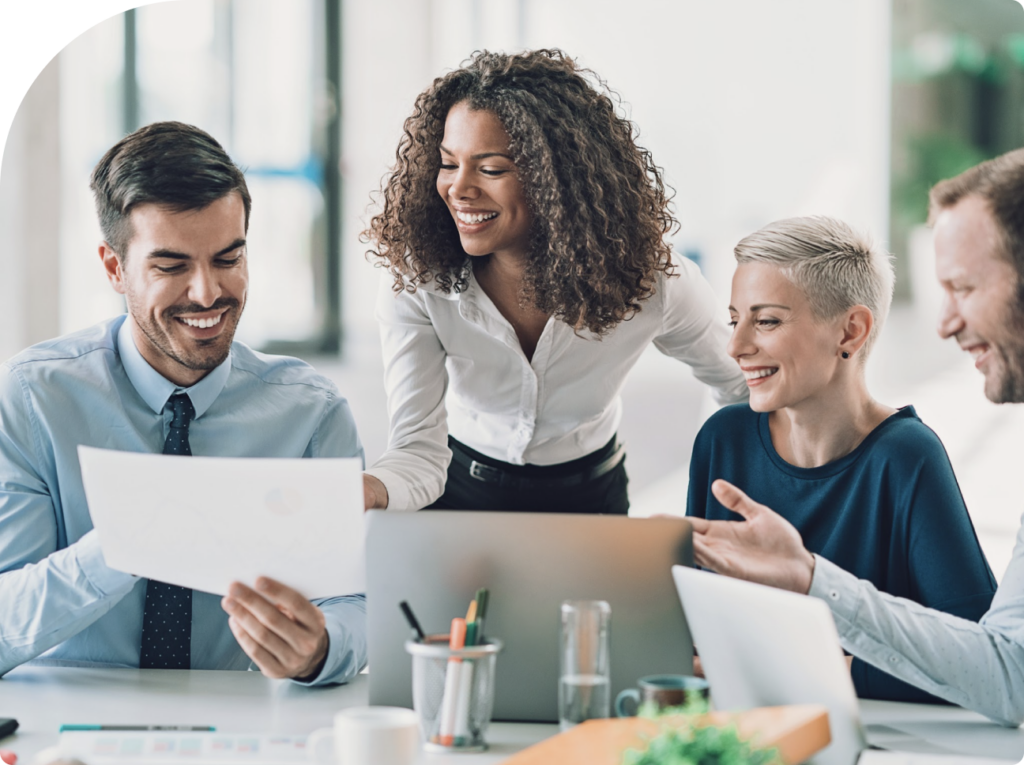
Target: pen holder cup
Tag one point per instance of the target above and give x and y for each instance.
(453, 692)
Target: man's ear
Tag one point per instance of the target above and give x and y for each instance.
(856, 328)
(113, 267)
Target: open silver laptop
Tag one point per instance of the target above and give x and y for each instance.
(530, 562)
(760, 646)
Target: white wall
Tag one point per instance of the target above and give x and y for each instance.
(386, 53)
(29, 218)
(90, 71)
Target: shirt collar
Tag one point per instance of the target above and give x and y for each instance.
(434, 287)
(155, 389)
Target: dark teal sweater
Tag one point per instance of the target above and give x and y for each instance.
(889, 512)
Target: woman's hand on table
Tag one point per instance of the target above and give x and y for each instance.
(375, 493)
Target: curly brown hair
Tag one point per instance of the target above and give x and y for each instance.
(600, 207)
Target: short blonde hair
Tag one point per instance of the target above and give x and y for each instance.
(836, 267)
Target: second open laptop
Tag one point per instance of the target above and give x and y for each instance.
(764, 647)
(530, 562)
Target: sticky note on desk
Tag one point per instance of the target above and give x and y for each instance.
(119, 748)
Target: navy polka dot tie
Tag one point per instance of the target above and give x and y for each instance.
(167, 618)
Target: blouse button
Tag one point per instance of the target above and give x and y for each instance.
(834, 594)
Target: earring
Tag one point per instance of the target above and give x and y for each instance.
(846, 355)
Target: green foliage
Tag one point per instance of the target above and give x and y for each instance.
(932, 157)
(1015, 47)
(700, 746)
(691, 745)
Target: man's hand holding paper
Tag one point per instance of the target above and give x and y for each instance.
(282, 632)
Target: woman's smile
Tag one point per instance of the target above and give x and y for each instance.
(758, 375)
(470, 218)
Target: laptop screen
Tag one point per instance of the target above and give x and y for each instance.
(530, 563)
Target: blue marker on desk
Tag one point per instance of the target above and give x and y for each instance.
(141, 728)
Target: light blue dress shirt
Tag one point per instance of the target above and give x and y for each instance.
(59, 602)
(979, 666)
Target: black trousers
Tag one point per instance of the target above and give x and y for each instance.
(535, 488)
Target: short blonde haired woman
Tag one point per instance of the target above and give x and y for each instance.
(866, 485)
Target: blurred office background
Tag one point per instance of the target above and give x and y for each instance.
(756, 111)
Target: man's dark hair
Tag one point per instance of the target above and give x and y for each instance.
(1000, 182)
(171, 164)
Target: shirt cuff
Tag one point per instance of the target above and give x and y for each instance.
(840, 589)
(104, 579)
(346, 633)
(399, 496)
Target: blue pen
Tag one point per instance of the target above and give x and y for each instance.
(180, 728)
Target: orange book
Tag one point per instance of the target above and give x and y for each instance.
(797, 731)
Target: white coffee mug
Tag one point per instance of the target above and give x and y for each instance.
(368, 735)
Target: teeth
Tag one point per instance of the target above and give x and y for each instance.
(758, 373)
(203, 323)
(474, 217)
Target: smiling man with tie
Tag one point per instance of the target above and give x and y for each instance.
(167, 376)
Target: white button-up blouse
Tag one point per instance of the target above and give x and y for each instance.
(453, 364)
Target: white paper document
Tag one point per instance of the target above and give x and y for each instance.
(204, 522)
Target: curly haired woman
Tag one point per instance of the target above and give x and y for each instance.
(525, 233)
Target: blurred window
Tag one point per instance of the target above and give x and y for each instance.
(261, 77)
(957, 99)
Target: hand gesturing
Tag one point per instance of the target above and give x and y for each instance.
(764, 547)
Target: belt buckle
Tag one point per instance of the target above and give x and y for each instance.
(482, 472)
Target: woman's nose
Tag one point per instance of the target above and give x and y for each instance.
(463, 186)
(739, 344)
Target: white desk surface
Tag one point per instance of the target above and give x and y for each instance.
(42, 698)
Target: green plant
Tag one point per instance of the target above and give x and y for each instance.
(700, 746)
(695, 745)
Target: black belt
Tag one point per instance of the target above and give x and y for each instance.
(508, 479)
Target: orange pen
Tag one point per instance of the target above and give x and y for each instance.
(456, 641)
